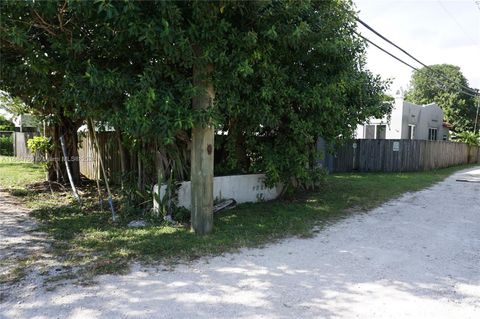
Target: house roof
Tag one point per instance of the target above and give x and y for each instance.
(447, 125)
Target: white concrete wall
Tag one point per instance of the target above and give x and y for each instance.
(242, 188)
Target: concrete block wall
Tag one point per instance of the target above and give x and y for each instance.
(242, 188)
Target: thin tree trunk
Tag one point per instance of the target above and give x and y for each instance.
(70, 177)
(140, 181)
(123, 156)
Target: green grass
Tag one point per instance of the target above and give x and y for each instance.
(86, 235)
(15, 174)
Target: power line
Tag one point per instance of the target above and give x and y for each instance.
(456, 21)
(414, 68)
(407, 64)
(385, 51)
(411, 56)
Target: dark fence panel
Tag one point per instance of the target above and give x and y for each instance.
(402, 155)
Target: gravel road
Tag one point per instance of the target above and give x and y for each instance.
(414, 257)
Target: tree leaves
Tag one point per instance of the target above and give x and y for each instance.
(284, 72)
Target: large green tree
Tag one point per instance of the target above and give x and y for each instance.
(430, 85)
(281, 73)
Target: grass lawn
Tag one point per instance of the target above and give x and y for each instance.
(86, 235)
(15, 174)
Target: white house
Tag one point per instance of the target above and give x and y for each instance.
(407, 121)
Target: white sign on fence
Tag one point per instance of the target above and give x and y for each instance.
(396, 146)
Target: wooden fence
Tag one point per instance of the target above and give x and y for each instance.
(20, 149)
(89, 159)
(402, 155)
(361, 155)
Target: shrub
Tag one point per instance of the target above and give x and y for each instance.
(6, 145)
(39, 146)
(470, 138)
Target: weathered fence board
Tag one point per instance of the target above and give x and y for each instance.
(89, 159)
(368, 156)
(20, 149)
(412, 155)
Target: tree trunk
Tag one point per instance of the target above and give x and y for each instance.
(56, 167)
(68, 129)
(56, 172)
(123, 156)
(202, 156)
(241, 158)
(71, 140)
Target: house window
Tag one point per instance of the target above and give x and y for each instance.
(411, 131)
(375, 131)
(432, 134)
(381, 132)
(369, 131)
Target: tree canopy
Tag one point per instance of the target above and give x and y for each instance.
(284, 73)
(6, 125)
(428, 86)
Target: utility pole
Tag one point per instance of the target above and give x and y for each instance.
(476, 117)
(202, 153)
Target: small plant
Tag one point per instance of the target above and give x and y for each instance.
(39, 146)
(167, 202)
(181, 215)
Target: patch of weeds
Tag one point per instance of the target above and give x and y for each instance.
(19, 192)
(17, 271)
(12, 275)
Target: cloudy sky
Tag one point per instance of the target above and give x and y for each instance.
(432, 31)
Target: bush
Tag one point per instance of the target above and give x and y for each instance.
(6, 145)
(39, 146)
(470, 138)
(181, 215)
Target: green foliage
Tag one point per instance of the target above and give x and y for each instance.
(13, 105)
(427, 87)
(6, 125)
(181, 215)
(470, 138)
(39, 144)
(283, 74)
(6, 145)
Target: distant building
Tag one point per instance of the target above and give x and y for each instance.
(25, 123)
(407, 121)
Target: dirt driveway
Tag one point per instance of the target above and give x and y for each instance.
(414, 257)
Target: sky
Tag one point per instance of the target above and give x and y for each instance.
(432, 31)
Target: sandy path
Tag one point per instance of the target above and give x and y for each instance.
(415, 257)
(20, 244)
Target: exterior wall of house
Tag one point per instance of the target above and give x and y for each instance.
(405, 114)
(424, 117)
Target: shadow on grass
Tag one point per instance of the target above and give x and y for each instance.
(89, 235)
